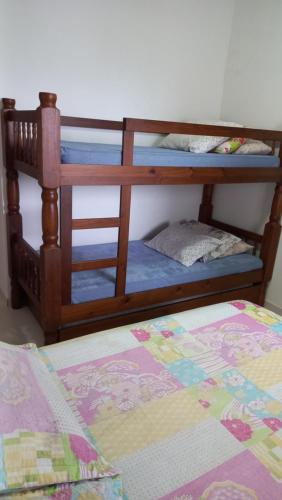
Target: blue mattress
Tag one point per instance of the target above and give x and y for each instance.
(87, 153)
(147, 269)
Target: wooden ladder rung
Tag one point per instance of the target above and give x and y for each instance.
(96, 223)
(89, 265)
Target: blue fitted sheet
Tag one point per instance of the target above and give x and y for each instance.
(87, 153)
(147, 269)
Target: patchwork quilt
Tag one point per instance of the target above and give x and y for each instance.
(187, 406)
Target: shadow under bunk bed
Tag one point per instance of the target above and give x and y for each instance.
(87, 289)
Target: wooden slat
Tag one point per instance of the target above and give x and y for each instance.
(66, 241)
(89, 265)
(95, 223)
(26, 168)
(241, 233)
(167, 127)
(91, 175)
(72, 121)
(124, 214)
(85, 310)
(68, 332)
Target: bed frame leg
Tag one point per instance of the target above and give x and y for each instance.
(14, 218)
(271, 237)
(49, 179)
(206, 207)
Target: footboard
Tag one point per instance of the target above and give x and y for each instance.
(28, 271)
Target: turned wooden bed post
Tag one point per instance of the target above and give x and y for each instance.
(50, 252)
(14, 218)
(271, 237)
(206, 207)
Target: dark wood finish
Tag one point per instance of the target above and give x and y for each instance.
(66, 241)
(206, 207)
(124, 215)
(85, 310)
(95, 223)
(166, 127)
(13, 218)
(72, 121)
(48, 139)
(69, 332)
(92, 175)
(237, 231)
(32, 145)
(271, 236)
(50, 263)
(89, 265)
(28, 265)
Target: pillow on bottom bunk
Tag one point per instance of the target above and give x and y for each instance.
(180, 242)
(187, 242)
(254, 147)
(41, 442)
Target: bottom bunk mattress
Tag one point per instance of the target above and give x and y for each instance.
(147, 269)
(187, 406)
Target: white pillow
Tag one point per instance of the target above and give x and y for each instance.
(196, 143)
(253, 147)
(180, 242)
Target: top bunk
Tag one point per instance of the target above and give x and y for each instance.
(33, 139)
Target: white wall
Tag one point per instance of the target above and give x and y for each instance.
(115, 58)
(252, 95)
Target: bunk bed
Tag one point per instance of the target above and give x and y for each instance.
(43, 280)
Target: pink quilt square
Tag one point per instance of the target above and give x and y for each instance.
(238, 339)
(117, 383)
(240, 478)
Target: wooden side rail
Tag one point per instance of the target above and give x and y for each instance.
(241, 233)
(72, 121)
(111, 175)
(167, 127)
(86, 310)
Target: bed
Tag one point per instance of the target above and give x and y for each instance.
(148, 269)
(72, 291)
(186, 406)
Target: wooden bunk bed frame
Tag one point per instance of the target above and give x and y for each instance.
(43, 280)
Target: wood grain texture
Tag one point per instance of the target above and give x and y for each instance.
(100, 175)
(69, 332)
(124, 215)
(66, 241)
(95, 223)
(206, 207)
(85, 310)
(89, 265)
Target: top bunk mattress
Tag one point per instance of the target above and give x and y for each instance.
(110, 154)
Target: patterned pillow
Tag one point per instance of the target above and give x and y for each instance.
(196, 143)
(225, 240)
(41, 442)
(254, 147)
(181, 243)
(230, 146)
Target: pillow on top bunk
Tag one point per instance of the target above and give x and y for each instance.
(41, 442)
(196, 143)
(179, 242)
(230, 146)
(254, 147)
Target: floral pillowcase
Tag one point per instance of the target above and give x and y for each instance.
(41, 442)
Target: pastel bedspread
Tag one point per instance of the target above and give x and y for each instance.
(187, 406)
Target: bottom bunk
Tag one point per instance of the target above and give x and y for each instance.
(148, 269)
